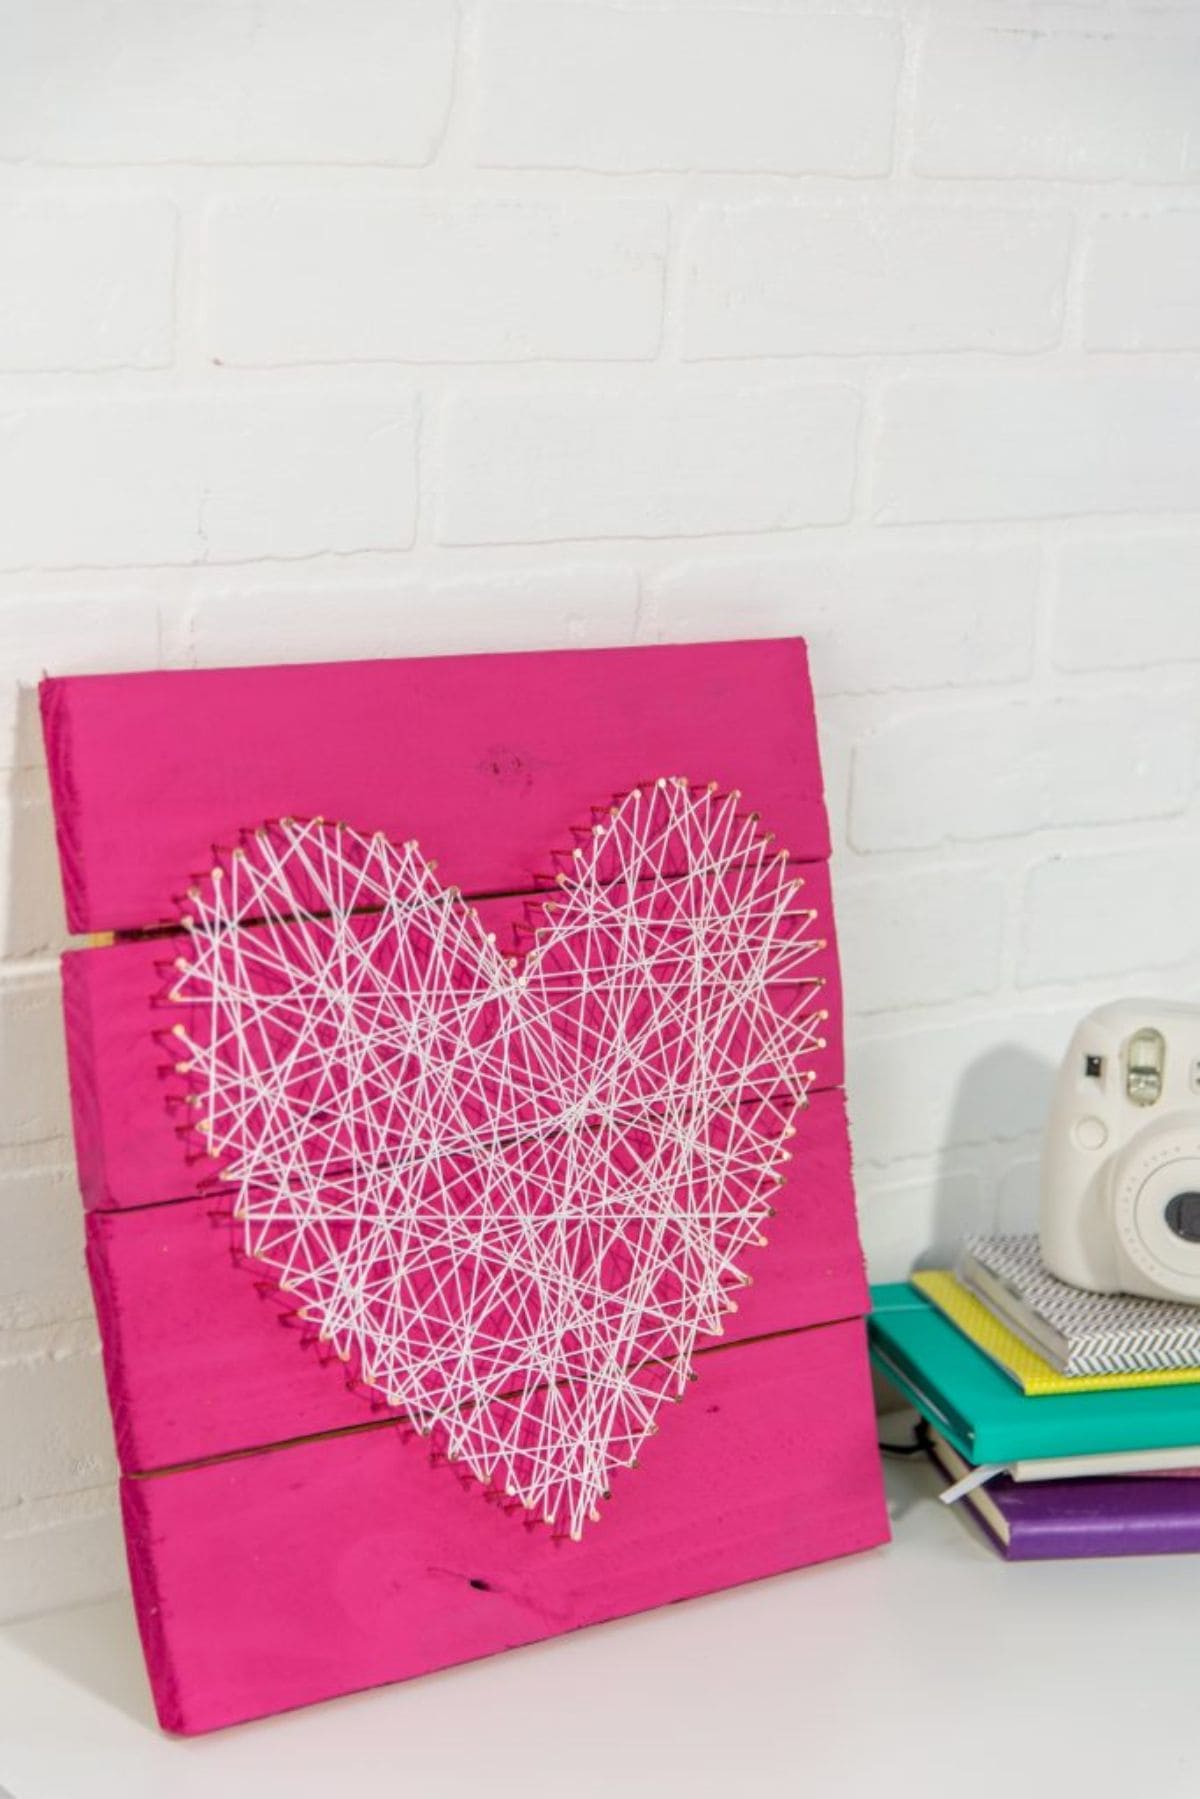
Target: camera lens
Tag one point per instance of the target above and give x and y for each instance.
(1183, 1216)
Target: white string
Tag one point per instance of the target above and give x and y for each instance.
(511, 1195)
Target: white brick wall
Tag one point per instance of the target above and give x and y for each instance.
(1079, 910)
(970, 613)
(205, 478)
(336, 280)
(1004, 768)
(1038, 445)
(781, 279)
(605, 87)
(1100, 103)
(1142, 282)
(90, 82)
(88, 284)
(405, 326)
(675, 458)
(1128, 603)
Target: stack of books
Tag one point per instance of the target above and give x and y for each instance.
(1069, 1422)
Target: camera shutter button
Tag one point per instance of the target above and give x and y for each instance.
(1091, 1133)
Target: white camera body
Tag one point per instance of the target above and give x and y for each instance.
(1120, 1186)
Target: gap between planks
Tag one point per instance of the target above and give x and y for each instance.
(398, 1419)
(546, 890)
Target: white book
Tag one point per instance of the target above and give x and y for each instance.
(1185, 1458)
(970, 1478)
(1077, 1331)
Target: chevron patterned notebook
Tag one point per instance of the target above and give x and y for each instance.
(1031, 1371)
(1078, 1332)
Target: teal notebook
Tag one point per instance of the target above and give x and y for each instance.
(987, 1418)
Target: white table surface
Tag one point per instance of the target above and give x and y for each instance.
(927, 1666)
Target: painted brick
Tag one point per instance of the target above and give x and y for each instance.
(157, 81)
(87, 284)
(1086, 915)
(1072, 105)
(331, 280)
(901, 1222)
(33, 1074)
(509, 610)
(61, 1551)
(65, 634)
(163, 480)
(875, 619)
(1142, 283)
(1038, 446)
(836, 735)
(42, 1275)
(1018, 1197)
(685, 459)
(922, 1090)
(999, 770)
(66, 1444)
(598, 87)
(32, 922)
(1128, 605)
(788, 279)
(920, 939)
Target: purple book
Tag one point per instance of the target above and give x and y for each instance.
(1039, 1520)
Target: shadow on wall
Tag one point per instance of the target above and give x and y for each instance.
(34, 923)
(995, 1098)
(981, 1170)
(982, 1178)
(60, 1541)
(35, 1116)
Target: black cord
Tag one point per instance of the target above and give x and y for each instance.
(916, 1447)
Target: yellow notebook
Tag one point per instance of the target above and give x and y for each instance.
(1031, 1371)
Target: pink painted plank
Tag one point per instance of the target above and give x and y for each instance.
(347, 1562)
(171, 1296)
(128, 1147)
(487, 760)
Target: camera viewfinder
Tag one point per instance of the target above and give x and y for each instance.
(1144, 1079)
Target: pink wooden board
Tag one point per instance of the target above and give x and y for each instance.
(487, 760)
(171, 1296)
(318, 1552)
(269, 1581)
(127, 1150)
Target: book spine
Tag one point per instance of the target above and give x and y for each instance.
(1100, 1354)
(896, 1368)
(1069, 1538)
(1014, 1312)
(1084, 1353)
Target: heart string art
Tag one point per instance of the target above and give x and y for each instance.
(513, 1192)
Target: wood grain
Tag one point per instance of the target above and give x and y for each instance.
(486, 760)
(273, 1580)
(132, 1151)
(201, 1362)
(306, 1548)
